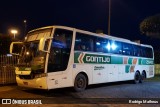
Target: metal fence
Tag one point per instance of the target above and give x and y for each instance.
(7, 69)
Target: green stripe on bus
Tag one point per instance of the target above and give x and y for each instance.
(76, 55)
(80, 57)
(116, 60)
(139, 61)
(147, 62)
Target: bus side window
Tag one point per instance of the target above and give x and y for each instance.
(149, 52)
(127, 49)
(116, 47)
(82, 47)
(100, 45)
(146, 52)
(143, 52)
(84, 42)
(136, 50)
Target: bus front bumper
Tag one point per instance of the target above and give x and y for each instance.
(38, 83)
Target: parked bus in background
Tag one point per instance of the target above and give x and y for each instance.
(58, 56)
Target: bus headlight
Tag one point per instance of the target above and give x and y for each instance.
(40, 75)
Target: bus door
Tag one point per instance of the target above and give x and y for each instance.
(58, 61)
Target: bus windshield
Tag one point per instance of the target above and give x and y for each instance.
(30, 56)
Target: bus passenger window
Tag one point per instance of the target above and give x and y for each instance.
(127, 49)
(84, 42)
(80, 47)
(149, 52)
(100, 45)
(136, 50)
(116, 47)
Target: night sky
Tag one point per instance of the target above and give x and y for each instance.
(90, 15)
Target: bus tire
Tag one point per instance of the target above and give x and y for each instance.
(143, 76)
(80, 83)
(136, 78)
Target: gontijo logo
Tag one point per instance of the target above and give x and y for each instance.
(97, 59)
(91, 58)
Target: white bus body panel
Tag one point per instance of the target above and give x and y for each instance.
(60, 79)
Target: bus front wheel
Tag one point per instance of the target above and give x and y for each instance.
(80, 83)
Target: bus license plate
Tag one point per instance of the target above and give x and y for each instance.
(25, 83)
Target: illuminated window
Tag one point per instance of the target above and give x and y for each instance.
(100, 45)
(113, 46)
(108, 46)
(116, 47)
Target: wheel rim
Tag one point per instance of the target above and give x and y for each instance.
(80, 83)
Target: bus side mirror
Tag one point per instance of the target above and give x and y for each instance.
(41, 44)
(15, 48)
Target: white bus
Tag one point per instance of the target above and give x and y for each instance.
(58, 56)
